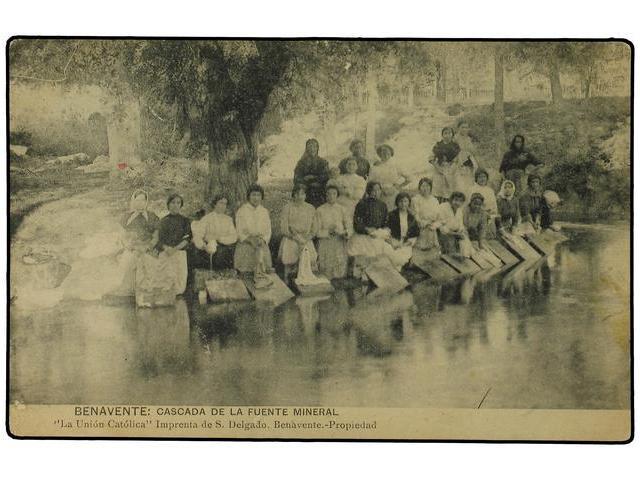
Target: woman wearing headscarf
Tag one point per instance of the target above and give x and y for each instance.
(516, 160)
(425, 209)
(443, 160)
(334, 228)
(297, 224)
(357, 152)
(388, 175)
(508, 208)
(253, 225)
(312, 171)
(215, 236)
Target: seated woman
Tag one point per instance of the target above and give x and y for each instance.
(452, 235)
(333, 230)
(425, 209)
(403, 226)
(476, 220)
(508, 208)
(534, 207)
(481, 186)
(140, 236)
(352, 187)
(253, 225)
(388, 174)
(215, 237)
(371, 231)
(297, 223)
(166, 268)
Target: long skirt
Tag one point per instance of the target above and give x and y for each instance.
(289, 252)
(246, 255)
(368, 246)
(222, 258)
(453, 245)
(428, 239)
(164, 272)
(332, 257)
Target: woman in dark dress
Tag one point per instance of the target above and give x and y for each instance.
(312, 171)
(445, 152)
(403, 225)
(515, 162)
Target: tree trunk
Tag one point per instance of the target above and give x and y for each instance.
(233, 167)
(410, 95)
(441, 80)
(498, 103)
(123, 135)
(554, 77)
(372, 101)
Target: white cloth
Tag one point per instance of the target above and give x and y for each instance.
(252, 221)
(352, 188)
(425, 209)
(448, 220)
(404, 224)
(332, 218)
(305, 273)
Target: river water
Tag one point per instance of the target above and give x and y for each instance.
(550, 335)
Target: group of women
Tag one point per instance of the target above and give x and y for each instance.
(354, 210)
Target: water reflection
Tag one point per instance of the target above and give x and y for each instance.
(533, 334)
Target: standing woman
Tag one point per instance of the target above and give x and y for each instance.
(352, 187)
(508, 208)
(515, 162)
(388, 175)
(174, 238)
(442, 160)
(254, 232)
(333, 230)
(312, 172)
(297, 223)
(425, 210)
(215, 238)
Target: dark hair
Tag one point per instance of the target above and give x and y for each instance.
(172, 197)
(453, 132)
(312, 140)
(481, 171)
(533, 177)
(402, 195)
(459, 195)
(513, 141)
(425, 180)
(475, 196)
(297, 188)
(370, 186)
(255, 188)
(332, 187)
(217, 198)
(354, 143)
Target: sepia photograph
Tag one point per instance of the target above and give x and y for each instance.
(364, 239)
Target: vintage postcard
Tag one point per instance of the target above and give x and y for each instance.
(320, 239)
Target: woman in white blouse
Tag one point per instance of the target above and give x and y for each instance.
(215, 236)
(425, 208)
(334, 228)
(254, 232)
(352, 187)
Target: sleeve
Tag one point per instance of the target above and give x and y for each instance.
(360, 218)
(163, 231)
(525, 207)
(414, 229)
(242, 225)
(504, 164)
(186, 229)
(321, 230)
(298, 173)
(231, 235)
(324, 172)
(266, 228)
(198, 228)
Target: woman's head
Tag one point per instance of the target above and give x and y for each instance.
(356, 147)
(403, 201)
(447, 134)
(482, 177)
(456, 199)
(220, 203)
(463, 127)
(352, 165)
(476, 202)
(334, 172)
(517, 143)
(332, 193)
(255, 195)
(534, 182)
(425, 185)
(139, 200)
(312, 147)
(385, 152)
(374, 189)
(174, 203)
(299, 192)
(508, 189)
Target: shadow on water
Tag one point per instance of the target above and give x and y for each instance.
(534, 335)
